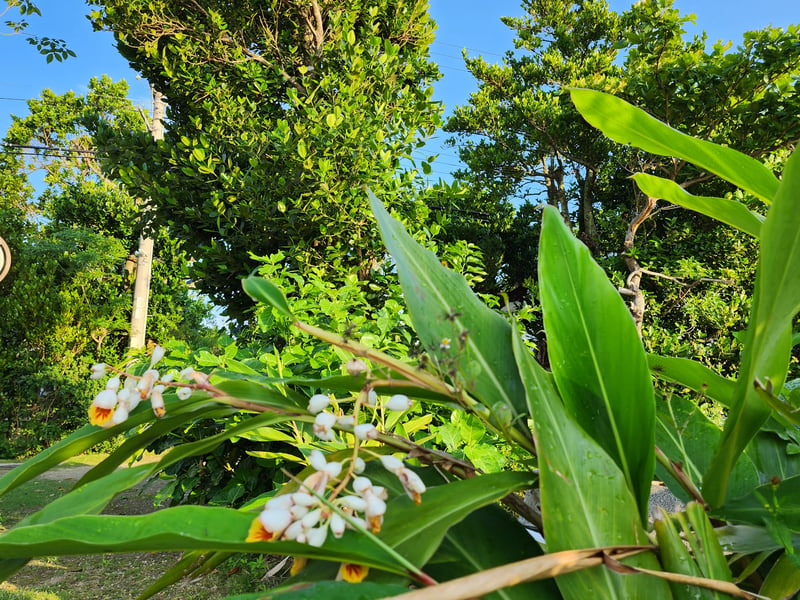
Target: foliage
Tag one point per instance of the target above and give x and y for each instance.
(523, 141)
(51, 48)
(66, 302)
(278, 112)
(594, 426)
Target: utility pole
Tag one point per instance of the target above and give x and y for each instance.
(141, 288)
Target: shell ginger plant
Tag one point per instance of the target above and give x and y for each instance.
(378, 504)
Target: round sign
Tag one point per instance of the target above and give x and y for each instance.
(5, 259)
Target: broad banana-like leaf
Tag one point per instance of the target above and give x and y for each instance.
(767, 348)
(586, 501)
(628, 124)
(596, 355)
(728, 211)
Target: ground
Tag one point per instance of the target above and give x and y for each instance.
(118, 576)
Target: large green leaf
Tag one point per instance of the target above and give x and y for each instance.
(694, 376)
(728, 211)
(596, 355)
(783, 579)
(171, 529)
(688, 438)
(417, 531)
(472, 546)
(627, 124)
(329, 590)
(88, 436)
(767, 350)
(467, 339)
(586, 502)
(706, 558)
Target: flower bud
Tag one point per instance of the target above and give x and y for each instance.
(365, 431)
(158, 354)
(372, 398)
(157, 402)
(106, 399)
(317, 403)
(355, 367)
(391, 463)
(399, 403)
(113, 383)
(98, 371)
(316, 537)
(183, 393)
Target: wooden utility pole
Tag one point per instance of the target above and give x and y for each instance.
(141, 289)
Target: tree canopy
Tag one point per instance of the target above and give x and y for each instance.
(278, 114)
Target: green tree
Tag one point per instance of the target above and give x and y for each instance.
(66, 303)
(278, 114)
(522, 140)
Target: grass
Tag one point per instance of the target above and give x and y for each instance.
(100, 577)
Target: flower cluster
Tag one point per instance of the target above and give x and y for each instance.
(325, 421)
(307, 517)
(113, 405)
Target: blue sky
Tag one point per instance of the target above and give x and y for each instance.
(471, 24)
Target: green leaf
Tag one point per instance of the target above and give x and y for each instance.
(472, 546)
(596, 355)
(688, 438)
(586, 502)
(265, 291)
(171, 529)
(767, 349)
(329, 590)
(627, 124)
(416, 531)
(706, 558)
(783, 580)
(694, 376)
(86, 437)
(452, 323)
(728, 211)
(330, 120)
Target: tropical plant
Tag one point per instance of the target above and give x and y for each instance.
(594, 429)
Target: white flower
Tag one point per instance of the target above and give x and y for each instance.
(183, 393)
(359, 465)
(365, 431)
(318, 403)
(303, 499)
(298, 512)
(186, 374)
(361, 485)
(283, 502)
(312, 518)
(337, 525)
(113, 383)
(120, 414)
(356, 503)
(323, 423)
(399, 403)
(158, 354)
(355, 367)
(98, 371)
(157, 402)
(295, 532)
(275, 520)
(107, 399)
(168, 378)
(391, 463)
(316, 537)
(412, 484)
(317, 460)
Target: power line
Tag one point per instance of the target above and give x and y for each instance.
(467, 48)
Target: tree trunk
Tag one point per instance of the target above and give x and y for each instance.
(631, 288)
(587, 232)
(141, 289)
